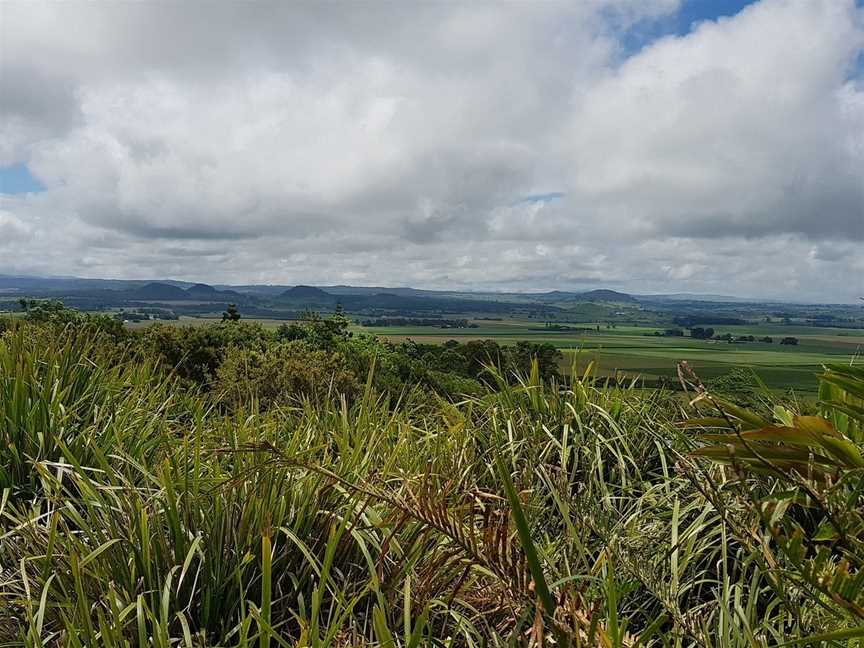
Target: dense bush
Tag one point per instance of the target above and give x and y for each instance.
(196, 352)
(283, 374)
(52, 314)
(474, 358)
(453, 385)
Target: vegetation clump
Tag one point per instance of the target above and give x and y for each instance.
(230, 486)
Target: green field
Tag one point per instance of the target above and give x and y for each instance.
(635, 351)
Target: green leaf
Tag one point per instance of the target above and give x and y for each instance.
(385, 637)
(706, 421)
(826, 532)
(760, 451)
(845, 451)
(525, 538)
(816, 425)
(851, 633)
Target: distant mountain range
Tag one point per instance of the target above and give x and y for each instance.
(724, 299)
(299, 296)
(83, 291)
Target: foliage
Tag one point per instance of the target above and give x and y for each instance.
(284, 374)
(809, 506)
(69, 394)
(52, 312)
(319, 332)
(195, 352)
(264, 365)
(474, 358)
(743, 388)
(231, 314)
(136, 509)
(702, 333)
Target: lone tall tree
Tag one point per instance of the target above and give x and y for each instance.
(231, 314)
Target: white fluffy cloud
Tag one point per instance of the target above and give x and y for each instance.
(476, 145)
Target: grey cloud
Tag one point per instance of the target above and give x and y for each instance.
(34, 105)
(36, 95)
(392, 143)
(180, 232)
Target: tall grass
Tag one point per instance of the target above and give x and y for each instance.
(135, 513)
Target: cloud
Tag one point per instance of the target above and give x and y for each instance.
(511, 146)
(12, 230)
(744, 127)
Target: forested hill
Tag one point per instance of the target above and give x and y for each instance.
(273, 301)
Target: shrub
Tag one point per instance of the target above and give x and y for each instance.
(283, 374)
(195, 352)
(52, 312)
(454, 386)
(797, 486)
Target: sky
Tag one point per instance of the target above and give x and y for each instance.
(650, 146)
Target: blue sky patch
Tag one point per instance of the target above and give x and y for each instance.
(858, 67)
(536, 198)
(17, 179)
(681, 22)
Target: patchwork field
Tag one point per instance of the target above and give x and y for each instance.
(636, 351)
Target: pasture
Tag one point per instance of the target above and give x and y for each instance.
(636, 351)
